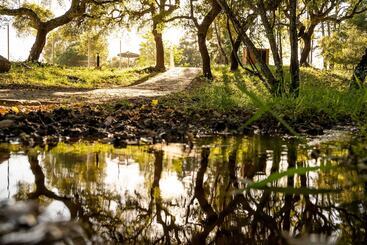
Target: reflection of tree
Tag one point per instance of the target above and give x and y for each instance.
(217, 212)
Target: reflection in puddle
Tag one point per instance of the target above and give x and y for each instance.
(173, 194)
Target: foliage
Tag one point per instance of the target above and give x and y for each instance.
(65, 48)
(22, 23)
(189, 49)
(324, 95)
(148, 52)
(335, 50)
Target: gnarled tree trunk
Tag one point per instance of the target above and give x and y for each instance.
(38, 45)
(202, 33)
(307, 43)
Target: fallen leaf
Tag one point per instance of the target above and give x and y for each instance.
(154, 102)
(15, 109)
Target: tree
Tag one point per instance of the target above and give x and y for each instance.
(271, 83)
(157, 13)
(294, 67)
(189, 48)
(335, 50)
(267, 12)
(147, 52)
(318, 11)
(43, 22)
(207, 11)
(65, 49)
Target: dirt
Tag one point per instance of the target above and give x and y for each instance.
(173, 80)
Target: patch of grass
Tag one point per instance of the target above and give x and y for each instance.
(324, 96)
(36, 76)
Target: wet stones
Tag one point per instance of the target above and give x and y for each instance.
(21, 223)
(7, 123)
(142, 120)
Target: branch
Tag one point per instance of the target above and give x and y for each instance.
(36, 21)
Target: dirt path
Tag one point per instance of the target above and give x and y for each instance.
(173, 80)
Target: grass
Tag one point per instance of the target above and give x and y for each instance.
(35, 76)
(324, 95)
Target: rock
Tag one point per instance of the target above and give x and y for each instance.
(5, 65)
(6, 123)
(21, 223)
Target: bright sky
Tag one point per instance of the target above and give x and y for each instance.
(130, 39)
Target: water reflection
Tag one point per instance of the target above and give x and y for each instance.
(174, 194)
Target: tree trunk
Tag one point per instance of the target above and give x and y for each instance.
(38, 45)
(202, 32)
(159, 58)
(360, 73)
(324, 62)
(204, 55)
(234, 56)
(293, 37)
(271, 82)
(269, 31)
(307, 42)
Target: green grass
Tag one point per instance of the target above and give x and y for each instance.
(324, 95)
(69, 77)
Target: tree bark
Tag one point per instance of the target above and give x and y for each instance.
(159, 58)
(307, 44)
(38, 45)
(205, 58)
(293, 37)
(234, 56)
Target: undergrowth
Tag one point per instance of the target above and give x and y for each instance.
(324, 96)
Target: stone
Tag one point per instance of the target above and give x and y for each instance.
(6, 123)
(5, 65)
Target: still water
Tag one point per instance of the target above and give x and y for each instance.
(217, 192)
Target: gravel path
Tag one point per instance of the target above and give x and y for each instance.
(173, 80)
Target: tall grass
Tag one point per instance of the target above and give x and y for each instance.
(324, 96)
